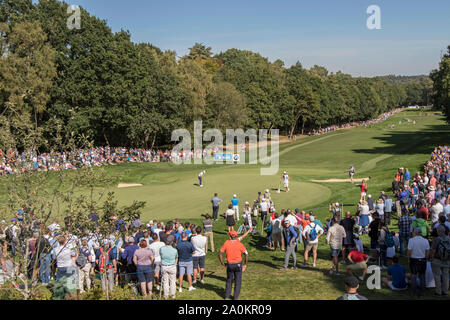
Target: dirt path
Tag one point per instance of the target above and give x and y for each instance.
(128, 185)
(342, 180)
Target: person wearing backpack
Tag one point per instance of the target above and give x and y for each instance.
(312, 233)
(440, 261)
(84, 261)
(335, 237)
(385, 240)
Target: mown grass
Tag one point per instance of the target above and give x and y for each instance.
(170, 192)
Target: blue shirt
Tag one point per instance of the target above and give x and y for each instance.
(388, 205)
(318, 222)
(407, 175)
(128, 252)
(290, 233)
(398, 272)
(111, 256)
(235, 201)
(185, 250)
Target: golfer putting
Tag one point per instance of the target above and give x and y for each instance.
(200, 178)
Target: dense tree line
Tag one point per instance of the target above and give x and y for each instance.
(441, 85)
(93, 83)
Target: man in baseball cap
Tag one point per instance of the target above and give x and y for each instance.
(351, 288)
(233, 250)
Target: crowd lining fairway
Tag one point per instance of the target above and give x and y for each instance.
(171, 191)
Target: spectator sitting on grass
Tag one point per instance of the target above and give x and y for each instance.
(396, 279)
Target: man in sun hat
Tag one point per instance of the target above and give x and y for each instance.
(233, 250)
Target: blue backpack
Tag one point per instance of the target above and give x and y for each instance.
(313, 233)
(389, 240)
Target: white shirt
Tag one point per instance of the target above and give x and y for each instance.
(418, 245)
(291, 219)
(199, 243)
(264, 206)
(229, 212)
(200, 174)
(364, 209)
(286, 178)
(435, 211)
(308, 229)
(155, 246)
(64, 256)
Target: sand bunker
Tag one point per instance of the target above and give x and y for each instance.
(128, 185)
(342, 180)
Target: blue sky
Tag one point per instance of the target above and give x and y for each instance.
(331, 33)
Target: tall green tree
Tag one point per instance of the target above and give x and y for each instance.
(441, 85)
(27, 68)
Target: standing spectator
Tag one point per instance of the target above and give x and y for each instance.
(143, 259)
(185, 263)
(404, 230)
(440, 261)
(169, 260)
(93, 216)
(208, 228)
(374, 228)
(406, 177)
(230, 217)
(127, 255)
(85, 264)
(387, 210)
(349, 224)
(65, 259)
(335, 236)
(436, 209)
(351, 288)
(215, 206)
(418, 252)
(155, 246)
(107, 264)
(421, 223)
(290, 236)
(199, 242)
(233, 249)
(277, 230)
(312, 233)
(235, 203)
(364, 217)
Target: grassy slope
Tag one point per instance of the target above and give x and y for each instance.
(170, 192)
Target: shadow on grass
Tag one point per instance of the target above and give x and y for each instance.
(405, 142)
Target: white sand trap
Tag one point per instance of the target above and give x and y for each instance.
(128, 185)
(342, 180)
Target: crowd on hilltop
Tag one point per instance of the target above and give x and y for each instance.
(366, 123)
(12, 162)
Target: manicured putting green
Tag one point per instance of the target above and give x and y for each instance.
(185, 199)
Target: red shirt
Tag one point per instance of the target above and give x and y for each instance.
(357, 256)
